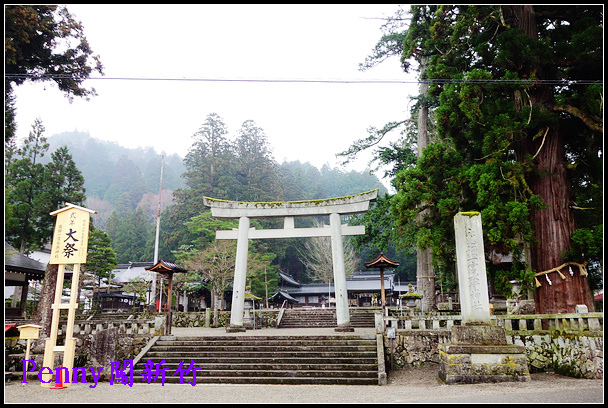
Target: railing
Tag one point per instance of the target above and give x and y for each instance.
(565, 322)
(281, 313)
(539, 323)
(135, 326)
(423, 322)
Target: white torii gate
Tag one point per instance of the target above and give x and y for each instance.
(334, 207)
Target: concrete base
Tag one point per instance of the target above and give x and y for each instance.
(235, 329)
(345, 328)
(480, 354)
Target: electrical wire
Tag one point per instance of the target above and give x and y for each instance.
(556, 82)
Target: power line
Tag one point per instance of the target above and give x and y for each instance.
(558, 82)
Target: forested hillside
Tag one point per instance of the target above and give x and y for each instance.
(123, 179)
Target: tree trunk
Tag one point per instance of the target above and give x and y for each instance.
(216, 311)
(553, 228)
(45, 312)
(425, 272)
(554, 225)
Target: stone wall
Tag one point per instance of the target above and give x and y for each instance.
(98, 343)
(108, 346)
(567, 354)
(92, 350)
(571, 355)
(413, 348)
(264, 318)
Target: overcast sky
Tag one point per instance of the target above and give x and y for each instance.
(303, 121)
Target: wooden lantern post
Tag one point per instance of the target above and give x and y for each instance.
(167, 268)
(382, 262)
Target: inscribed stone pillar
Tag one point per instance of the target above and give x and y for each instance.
(472, 280)
(342, 315)
(240, 274)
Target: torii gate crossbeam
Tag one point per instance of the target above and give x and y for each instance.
(244, 211)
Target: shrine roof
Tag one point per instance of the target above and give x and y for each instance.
(288, 279)
(285, 295)
(19, 263)
(381, 262)
(164, 266)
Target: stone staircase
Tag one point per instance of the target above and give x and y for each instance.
(299, 318)
(334, 359)
(363, 317)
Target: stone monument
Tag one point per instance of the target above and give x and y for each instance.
(478, 351)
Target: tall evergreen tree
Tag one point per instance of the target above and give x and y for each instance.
(209, 172)
(256, 170)
(209, 160)
(24, 180)
(63, 183)
(45, 43)
(101, 257)
(34, 190)
(519, 89)
(415, 36)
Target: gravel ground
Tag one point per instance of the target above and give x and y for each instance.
(413, 385)
(416, 385)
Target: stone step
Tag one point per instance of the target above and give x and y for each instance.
(234, 371)
(338, 359)
(266, 343)
(301, 318)
(363, 364)
(293, 380)
(301, 324)
(260, 346)
(259, 354)
(253, 339)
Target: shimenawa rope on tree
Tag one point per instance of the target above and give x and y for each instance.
(581, 268)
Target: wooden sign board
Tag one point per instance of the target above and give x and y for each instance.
(71, 235)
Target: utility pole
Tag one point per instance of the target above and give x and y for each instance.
(162, 162)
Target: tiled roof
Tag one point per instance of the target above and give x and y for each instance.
(288, 279)
(17, 262)
(381, 262)
(284, 295)
(166, 266)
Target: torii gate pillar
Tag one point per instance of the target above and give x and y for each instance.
(240, 277)
(337, 255)
(334, 207)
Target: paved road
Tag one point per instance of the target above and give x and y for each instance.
(415, 385)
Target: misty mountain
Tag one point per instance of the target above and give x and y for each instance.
(117, 177)
(124, 179)
(110, 169)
